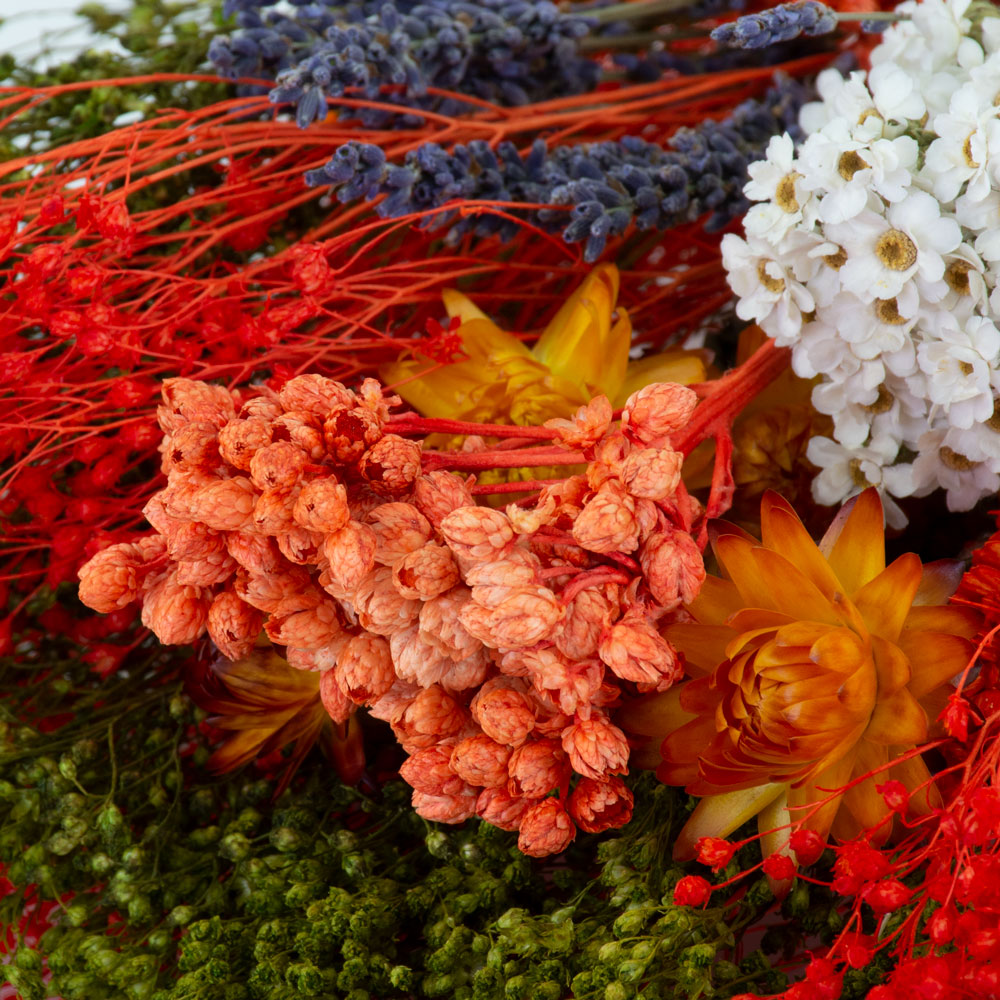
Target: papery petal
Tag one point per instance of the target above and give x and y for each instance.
(935, 657)
(783, 532)
(719, 815)
(854, 544)
(898, 719)
(703, 646)
(885, 601)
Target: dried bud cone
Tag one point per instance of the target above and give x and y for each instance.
(304, 431)
(273, 512)
(399, 528)
(312, 628)
(417, 661)
(394, 703)
(225, 505)
(233, 625)
(596, 748)
(569, 685)
(546, 828)
(112, 578)
(364, 668)
(253, 552)
(600, 805)
(525, 616)
(657, 411)
(240, 440)
(349, 431)
(379, 605)
(372, 397)
(193, 540)
(426, 573)
(432, 716)
(192, 446)
(278, 466)
(266, 406)
(187, 401)
(608, 523)
(586, 427)
(673, 567)
(319, 660)
(445, 808)
(439, 493)
(477, 534)
(440, 625)
(429, 770)
(338, 706)
(537, 768)
(501, 809)
(321, 506)
(176, 614)
(287, 589)
(212, 569)
(581, 626)
(315, 394)
(635, 651)
(300, 546)
(392, 465)
(350, 554)
(652, 473)
(503, 711)
(481, 761)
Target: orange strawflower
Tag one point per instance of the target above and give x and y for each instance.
(810, 667)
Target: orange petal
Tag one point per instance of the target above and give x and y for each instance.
(703, 646)
(841, 651)
(749, 619)
(684, 745)
(939, 582)
(719, 815)
(814, 714)
(884, 602)
(814, 805)
(891, 666)
(654, 715)
(863, 802)
(782, 531)
(960, 621)
(935, 657)
(457, 304)
(854, 545)
(897, 719)
(716, 601)
(801, 633)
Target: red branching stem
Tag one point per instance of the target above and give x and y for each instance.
(408, 423)
(520, 486)
(481, 460)
(593, 578)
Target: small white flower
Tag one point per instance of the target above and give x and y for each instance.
(941, 465)
(896, 93)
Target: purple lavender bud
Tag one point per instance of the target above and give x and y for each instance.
(778, 24)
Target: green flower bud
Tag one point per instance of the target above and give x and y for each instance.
(61, 843)
(140, 910)
(234, 847)
(67, 767)
(401, 978)
(178, 707)
(548, 989)
(699, 955)
(160, 940)
(27, 983)
(616, 991)
(76, 914)
(439, 844)
(610, 952)
(84, 751)
(725, 972)
(512, 919)
(157, 796)
(205, 836)
(582, 984)
(112, 829)
(181, 916)
(354, 865)
(631, 971)
(631, 922)
(516, 988)
(471, 853)
(133, 858)
(287, 839)
(27, 959)
(346, 841)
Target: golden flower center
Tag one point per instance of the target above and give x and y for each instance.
(850, 163)
(955, 460)
(835, 260)
(883, 401)
(774, 285)
(966, 367)
(784, 193)
(956, 274)
(967, 152)
(896, 250)
(887, 311)
(857, 476)
(866, 114)
(994, 422)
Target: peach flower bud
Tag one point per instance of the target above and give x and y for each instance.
(391, 465)
(364, 668)
(372, 397)
(519, 567)
(439, 493)
(546, 828)
(586, 427)
(432, 716)
(322, 506)
(425, 573)
(537, 768)
(635, 651)
(350, 553)
(652, 473)
(316, 660)
(481, 761)
(580, 629)
(417, 661)
(300, 546)
(445, 808)
(272, 514)
(289, 588)
(111, 579)
(315, 394)
(656, 411)
(304, 431)
(192, 446)
(187, 401)
(596, 748)
(233, 625)
(253, 552)
(501, 809)
(152, 548)
(673, 567)
(208, 571)
(477, 534)
(608, 523)
(399, 528)
(308, 629)
(569, 684)
(394, 703)
(525, 616)
(503, 711)
(609, 457)
(348, 431)
(338, 706)
(155, 512)
(224, 505)
(240, 440)
(379, 605)
(266, 406)
(439, 624)
(176, 614)
(597, 806)
(429, 770)
(192, 540)
(278, 465)
(526, 521)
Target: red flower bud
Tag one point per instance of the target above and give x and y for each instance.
(692, 890)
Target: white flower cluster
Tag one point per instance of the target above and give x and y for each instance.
(874, 253)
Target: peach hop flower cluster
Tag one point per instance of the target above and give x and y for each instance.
(495, 643)
(811, 667)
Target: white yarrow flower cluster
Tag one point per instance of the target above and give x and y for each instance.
(874, 253)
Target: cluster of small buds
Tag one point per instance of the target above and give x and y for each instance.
(873, 254)
(495, 643)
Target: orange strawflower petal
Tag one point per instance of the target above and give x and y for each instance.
(855, 544)
(924, 794)
(719, 815)
(960, 621)
(892, 666)
(897, 720)
(939, 581)
(703, 646)
(885, 601)
(716, 601)
(935, 657)
(782, 531)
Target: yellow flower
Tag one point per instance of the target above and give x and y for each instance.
(811, 666)
(582, 352)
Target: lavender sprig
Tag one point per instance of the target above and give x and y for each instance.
(778, 24)
(607, 186)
